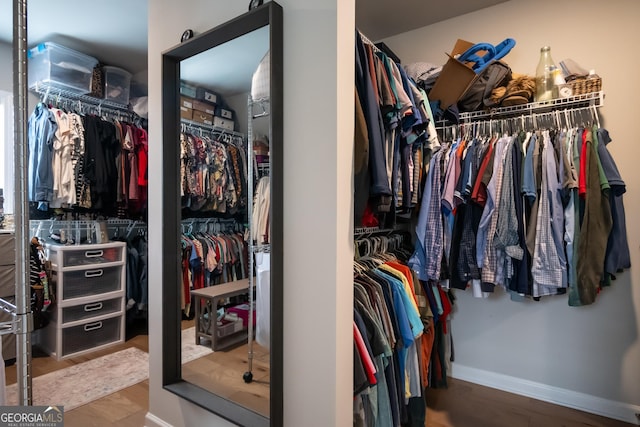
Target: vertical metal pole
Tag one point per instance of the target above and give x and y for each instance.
(23, 308)
(250, 164)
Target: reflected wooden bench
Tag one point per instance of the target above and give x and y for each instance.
(206, 306)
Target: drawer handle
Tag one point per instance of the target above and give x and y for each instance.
(93, 307)
(93, 273)
(92, 326)
(93, 254)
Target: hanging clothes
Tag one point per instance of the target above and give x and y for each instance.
(393, 318)
(260, 213)
(395, 135)
(550, 220)
(209, 259)
(42, 127)
(213, 174)
(87, 162)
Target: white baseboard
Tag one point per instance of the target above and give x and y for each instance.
(153, 421)
(559, 396)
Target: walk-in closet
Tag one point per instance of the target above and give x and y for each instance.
(315, 213)
(85, 215)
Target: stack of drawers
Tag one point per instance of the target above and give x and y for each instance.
(89, 312)
(8, 289)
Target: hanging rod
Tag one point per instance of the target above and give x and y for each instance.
(366, 40)
(190, 124)
(38, 225)
(81, 222)
(54, 92)
(213, 220)
(260, 102)
(359, 231)
(229, 224)
(266, 248)
(593, 98)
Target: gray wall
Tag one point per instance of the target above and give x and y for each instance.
(592, 350)
(6, 69)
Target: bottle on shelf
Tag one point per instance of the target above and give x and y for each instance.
(558, 82)
(544, 75)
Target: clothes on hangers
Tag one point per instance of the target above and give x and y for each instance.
(137, 283)
(532, 212)
(394, 131)
(213, 173)
(42, 127)
(131, 166)
(393, 316)
(260, 211)
(209, 259)
(86, 161)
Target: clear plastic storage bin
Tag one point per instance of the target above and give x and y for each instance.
(59, 66)
(117, 83)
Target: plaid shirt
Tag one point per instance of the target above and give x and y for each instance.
(548, 268)
(491, 255)
(422, 261)
(435, 232)
(507, 238)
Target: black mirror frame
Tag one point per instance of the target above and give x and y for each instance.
(270, 14)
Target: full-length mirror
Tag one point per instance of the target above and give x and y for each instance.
(222, 209)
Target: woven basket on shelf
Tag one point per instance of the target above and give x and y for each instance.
(582, 86)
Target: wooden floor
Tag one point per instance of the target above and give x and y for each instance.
(222, 373)
(462, 404)
(465, 404)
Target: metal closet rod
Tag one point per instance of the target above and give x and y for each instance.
(578, 116)
(213, 130)
(590, 99)
(84, 103)
(567, 117)
(8, 326)
(55, 93)
(204, 223)
(40, 224)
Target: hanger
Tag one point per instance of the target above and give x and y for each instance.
(595, 115)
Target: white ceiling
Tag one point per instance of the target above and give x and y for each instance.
(115, 31)
(378, 19)
(234, 63)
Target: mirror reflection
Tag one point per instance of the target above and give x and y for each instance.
(224, 189)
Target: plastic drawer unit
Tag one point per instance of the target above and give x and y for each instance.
(7, 289)
(60, 67)
(89, 312)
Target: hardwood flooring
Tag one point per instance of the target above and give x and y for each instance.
(462, 404)
(465, 404)
(222, 373)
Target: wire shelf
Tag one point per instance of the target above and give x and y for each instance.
(261, 248)
(592, 99)
(51, 91)
(210, 128)
(359, 231)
